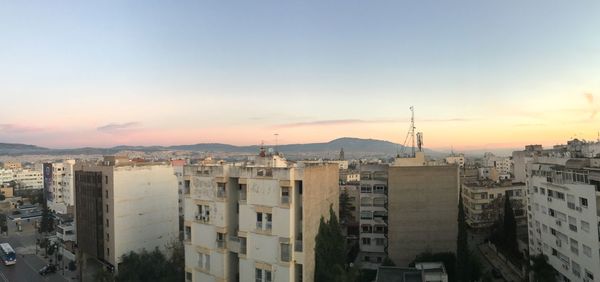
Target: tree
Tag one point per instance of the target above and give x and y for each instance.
(330, 250)
(510, 228)
(103, 275)
(345, 205)
(388, 262)
(2, 197)
(148, 266)
(47, 224)
(542, 271)
(462, 244)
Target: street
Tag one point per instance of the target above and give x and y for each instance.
(28, 263)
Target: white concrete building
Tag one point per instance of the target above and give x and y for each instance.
(456, 159)
(502, 164)
(483, 202)
(124, 206)
(59, 186)
(564, 211)
(255, 221)
(29, 178)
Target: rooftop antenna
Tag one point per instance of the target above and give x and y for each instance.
(420, 141)
(410, 133)
(262, 149)
(276, 143)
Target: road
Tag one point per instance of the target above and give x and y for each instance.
(28, 263)
(474, 241)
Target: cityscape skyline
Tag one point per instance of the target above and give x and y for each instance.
(480, 75)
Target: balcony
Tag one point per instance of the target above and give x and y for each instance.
(221, 244)
(285, 200)
(202, 218)
(286, 255)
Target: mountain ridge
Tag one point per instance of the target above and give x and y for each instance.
(350, 145)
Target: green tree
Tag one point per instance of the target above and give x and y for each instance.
(103, 275)
(462, 245)
(345, 205)
(542, 271)
(147, 266)
(47, 224)
(510, 243)
(330, 250)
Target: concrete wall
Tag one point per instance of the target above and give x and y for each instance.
(320, 190)
(145, 211)
(423, 210)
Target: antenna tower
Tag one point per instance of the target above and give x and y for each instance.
(410, 134)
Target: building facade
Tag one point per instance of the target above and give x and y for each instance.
(124, 206)
(59, 186)
(483, 202)
(255, 221)
(563, 192)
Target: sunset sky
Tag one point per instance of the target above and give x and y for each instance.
(480, 74)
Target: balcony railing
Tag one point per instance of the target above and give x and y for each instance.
(259, 225)
(221, 193)
(285, 253)
(221, 244)
(269, 225)
(285, 199)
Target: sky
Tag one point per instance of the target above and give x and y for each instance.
(480, 74)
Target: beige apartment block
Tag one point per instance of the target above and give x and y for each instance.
(124, 206)
(423, 210)
(483, 201)
(255, 221)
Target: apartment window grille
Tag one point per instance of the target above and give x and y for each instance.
(366, 241)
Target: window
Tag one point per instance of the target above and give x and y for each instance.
(379, 241)
(560, 195)
(589, 275)
(107, 252)
(204, 261)
(259, 220)
(106, 208)
(203, 213)
(542, 191)
(106, 192)
(366, 215)
(587, 250)
(262, 275)
(366, 258)
(221, 240)
(221, 190)
(269, 221)
(379, 259)
(106, 179)
(285, 195)
(107, 222)
(107, 237)
(535, 189)
(286, 251)
(242, 190)
(583, 202)
(366, 241)
(188, 276)
(365, 189)
(366, 229)
(585, 226)
(550, 193)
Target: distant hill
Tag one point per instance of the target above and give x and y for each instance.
(352, 146)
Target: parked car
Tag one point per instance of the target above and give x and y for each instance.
(47, 269)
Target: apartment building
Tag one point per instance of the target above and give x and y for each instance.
(352, 225)
(255, 221)
(563, 194)
(124, 206)
(178, 170)
(502, 164)
(456, 159)
(12, 165)
(29, 178)
(58, 186)
(484, 202)
(407, 208)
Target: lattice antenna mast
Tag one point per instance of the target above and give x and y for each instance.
(410, 134)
